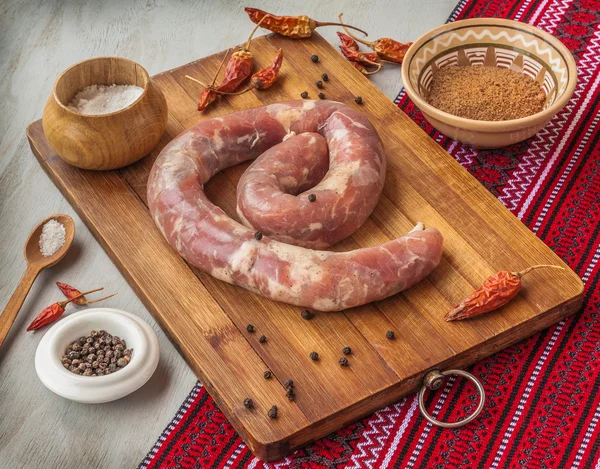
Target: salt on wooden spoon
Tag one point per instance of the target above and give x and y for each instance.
(38, 261)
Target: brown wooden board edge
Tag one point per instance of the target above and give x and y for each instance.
(257, 447)
(274, 450)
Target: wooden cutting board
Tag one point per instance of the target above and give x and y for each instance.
(206, 318)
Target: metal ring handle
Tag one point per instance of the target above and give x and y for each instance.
(433, 380)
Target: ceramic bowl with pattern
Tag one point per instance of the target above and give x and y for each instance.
(491, 42)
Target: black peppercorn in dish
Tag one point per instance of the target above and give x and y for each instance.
(99, 354)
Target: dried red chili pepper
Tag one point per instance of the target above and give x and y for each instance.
(290, 26)
(72, 293)
(360, 60)
(386, 48)
(55, 310)
(265, 77)
(496, 291)
(208, 95)
(364, 58)
(237, 70)
(347, 41)
(48, 314)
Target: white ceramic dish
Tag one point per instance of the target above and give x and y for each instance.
(97, 389)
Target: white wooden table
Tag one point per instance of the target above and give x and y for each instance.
(37, 41)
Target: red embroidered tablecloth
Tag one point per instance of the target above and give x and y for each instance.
(543, 404)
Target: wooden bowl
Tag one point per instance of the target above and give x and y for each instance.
(104, 141)
(494, 42)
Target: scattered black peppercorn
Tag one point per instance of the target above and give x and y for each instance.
(325, 77)
(248, 403)
(291, 395)
(272, 413)
(304, 94)
(267, 374)
(358, 100)
(288, 384)
(262, 339)
(97, 355)
(390, 335)
(312, 198)
(343, 361)
(306, 314)
(258, 236)
(250, 328)
(314, 58)
(319, 84)
(321, 95)
(346, 350)
(314, 356)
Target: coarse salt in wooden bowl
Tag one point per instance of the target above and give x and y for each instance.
(104, 141)
(493, 42)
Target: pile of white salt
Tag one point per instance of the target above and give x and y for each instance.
(52, 237)
(103, 99)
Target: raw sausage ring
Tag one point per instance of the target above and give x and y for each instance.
(328, 142)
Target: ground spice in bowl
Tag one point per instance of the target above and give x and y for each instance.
(98, 354)
(485, 93)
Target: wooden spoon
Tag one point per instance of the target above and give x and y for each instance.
(36, 262)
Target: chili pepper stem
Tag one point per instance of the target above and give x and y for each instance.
(102, 299)
(328, 23)
(199, 82)
(216, 74)
(535, 267)
(371, 44)
(247, 46)
(245, 90)
(373, 72)
(66, 302)
(219, 69)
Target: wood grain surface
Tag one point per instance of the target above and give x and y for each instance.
(207, 319)
(39, 40)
